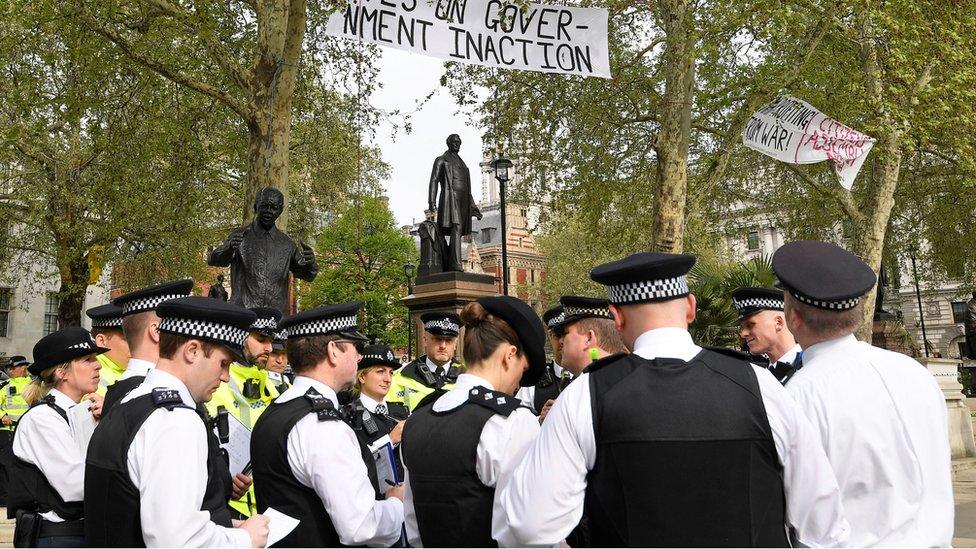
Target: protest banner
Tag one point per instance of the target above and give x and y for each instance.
(532, 37)
(791, 130)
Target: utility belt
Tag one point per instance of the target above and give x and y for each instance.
(30, 526)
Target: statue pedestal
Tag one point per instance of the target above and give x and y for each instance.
(946, 372)
(449, 291)
(890, 333)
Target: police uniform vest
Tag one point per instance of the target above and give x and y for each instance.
(118, 390)
(30, 490)
(371, 427)
(696, 467)
(549, 387)
(412, 383)
(440, 449)
(111, 499)
(12, 400)
(278, 487)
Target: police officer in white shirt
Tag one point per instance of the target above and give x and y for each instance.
(880, 415)
(672, 445)
(139, 324)
(155, 476)
(308, 463)
(376, 421)
(762, 326)
(48, 472)
(460, 451)
(555, 378)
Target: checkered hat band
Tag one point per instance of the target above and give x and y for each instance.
(758, 303)
(842, 305)
(206, 330)
(445, 325)
(588, 311)
(113, 322)
(648, 290)
(558, 319)
(264, 324)
(147, 303)
(322, 326)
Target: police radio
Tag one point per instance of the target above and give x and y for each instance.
(221, 422)
(252, 390)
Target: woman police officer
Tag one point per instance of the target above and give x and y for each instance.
(460, 449)
(377, 422)
(48, 473)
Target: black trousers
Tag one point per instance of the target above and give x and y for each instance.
(6, 459)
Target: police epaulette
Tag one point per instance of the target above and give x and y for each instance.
(732, 353)
(322, 406)
(597, 364)
(168, 398)
(500, 403)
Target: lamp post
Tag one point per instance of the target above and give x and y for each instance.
(921, 313)
(408, 278)
(501, 166)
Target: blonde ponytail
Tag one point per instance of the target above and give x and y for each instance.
(40, 386)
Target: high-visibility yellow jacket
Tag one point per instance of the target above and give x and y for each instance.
(415, 381)
(12, 401)
(109, 374)
(246, 405)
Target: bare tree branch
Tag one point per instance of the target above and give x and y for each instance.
(841, 196)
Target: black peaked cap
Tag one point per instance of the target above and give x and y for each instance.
(147, 299)
(337, 319)
(578, 307)
(105, 316)
(749, 301)
(441, 323)
(645, 277)
(527, 326)
(278, 340)
(207, 319)
(822, 274)
(267, 321)
(62, 346)
(377, 355)
(18, 360)
(554, 318)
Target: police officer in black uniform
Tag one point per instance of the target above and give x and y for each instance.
(376, 421)
(554, 378)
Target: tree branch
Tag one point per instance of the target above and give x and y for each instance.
(841, 196)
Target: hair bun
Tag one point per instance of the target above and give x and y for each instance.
(473, 314)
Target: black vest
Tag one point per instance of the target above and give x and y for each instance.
(29, 489)
(693, 465)
(440, 450)
(548, 388)
(371, 427)
(278, 487)
(111, 499)
(420, 372)
(118, 390)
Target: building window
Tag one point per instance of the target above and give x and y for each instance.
(752, 241)
(5, 295)
(486, 235)
(51, 313)
(959, 312)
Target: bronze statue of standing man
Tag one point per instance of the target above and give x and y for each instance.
(261, 256)
(453, 204)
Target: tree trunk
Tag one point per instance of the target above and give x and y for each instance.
(73, 271)
(668, 227)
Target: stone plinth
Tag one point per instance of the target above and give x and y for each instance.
(891, 334)
(946, 372)
(449, 291)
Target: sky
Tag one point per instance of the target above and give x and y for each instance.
(408, 78)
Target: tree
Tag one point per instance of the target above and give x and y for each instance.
(361, 258)
(249, 56)
(712, 282)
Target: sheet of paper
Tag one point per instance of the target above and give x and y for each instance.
(83, 424)
(385, 466)
(279, 525)
(238, 445)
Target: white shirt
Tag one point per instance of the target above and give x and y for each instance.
(45, 440)
(325, 456)
(882, 420)
(136, 367)
(439, 370)
(790, 356)
(527, 394)
(502, 445)
(544, 500)
(167, 462)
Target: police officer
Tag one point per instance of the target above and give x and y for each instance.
(555, 378)
(376, 421)
(436, 369)
(12, 406)
(48, 471)
(278, 374)
(672, 444)
(247, 392)
(106, 322)
(880, 414)
(155, 475)
(308, 463)
(461, 448)
(762, 326)
(140, 326)
(589, 332)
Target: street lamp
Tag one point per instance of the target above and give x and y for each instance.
(408, 274)
(501, 166)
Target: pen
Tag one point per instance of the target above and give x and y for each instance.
(390, 482)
